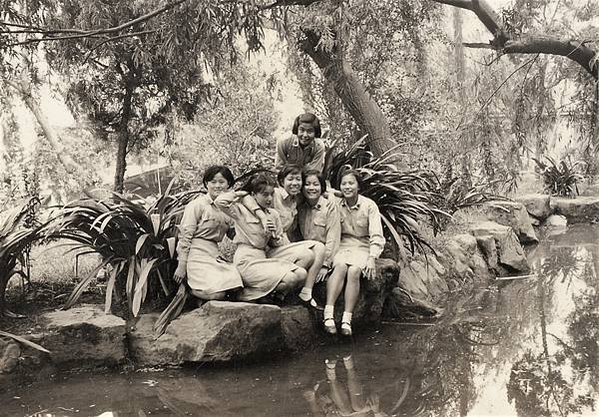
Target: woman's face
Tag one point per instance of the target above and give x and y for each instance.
(305, 133)
(217, 185)
(349, 186)
(292, 183)
(264, 197)
(312, 189)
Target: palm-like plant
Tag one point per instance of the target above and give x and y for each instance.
(15, 238)
(137, 243)
(404, 198)
(560, 178)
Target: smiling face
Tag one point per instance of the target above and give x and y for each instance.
(292, 183)
(265, 196)
(349, 186)
(305, 133)
(217, 185)
(312, 189)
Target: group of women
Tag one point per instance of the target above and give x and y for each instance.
(290, 234)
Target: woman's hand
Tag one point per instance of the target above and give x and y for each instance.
(370, 268)
(240, 194)
(269, 227)
(180, 273)
(322, 274)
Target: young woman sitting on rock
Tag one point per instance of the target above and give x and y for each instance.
(203, 225)
(308, 253)
(319, 220)
(362, 242)
(261, 275)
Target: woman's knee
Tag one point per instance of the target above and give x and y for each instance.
(212, 296)
(353, 273)
(301, 274)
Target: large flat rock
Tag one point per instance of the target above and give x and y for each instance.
(216, 332)
(577, 210)
(84, 336)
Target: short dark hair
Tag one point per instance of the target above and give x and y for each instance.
(259, 182)
(355, 173)
(317, 174)
(286, 170)
(307, 118)
(211, 172)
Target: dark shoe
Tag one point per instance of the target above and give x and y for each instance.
(329, 326)
(346, 329)
(311, 303)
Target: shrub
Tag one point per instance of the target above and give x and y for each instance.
(16, 236)
(404, 198)
(137, 244)
(560, 178)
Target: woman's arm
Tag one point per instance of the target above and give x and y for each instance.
(333, 234)
(375, 231)
(187, 228)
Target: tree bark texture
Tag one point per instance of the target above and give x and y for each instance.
(123, 135)
(366, 112)
(25, 91)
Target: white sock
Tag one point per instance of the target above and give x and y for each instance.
(346, 318)
(329, 311)
(305, 294)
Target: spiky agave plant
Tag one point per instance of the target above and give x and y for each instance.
(15, 238)
(137, 243)
(405, 199)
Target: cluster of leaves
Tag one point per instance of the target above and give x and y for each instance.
(17, 233)
(404, 198)
(455, 193)
(234, 128)
(560, 178)
(137, 244)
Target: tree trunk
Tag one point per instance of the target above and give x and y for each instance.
(366, 112)
(123, 138)
(25, 91)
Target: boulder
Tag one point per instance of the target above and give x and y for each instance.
(83, 335)
(300, 328)
(537, 205)
(510, 255)
(10, 352)
(216, 332)
(513, 214)
(577, 210)
(422, 281)
(556, 221)
(402, 305)
(486, 244)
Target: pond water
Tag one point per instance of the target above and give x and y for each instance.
(526, 347)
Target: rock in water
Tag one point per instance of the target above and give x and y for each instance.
(513, 214)
(216, 332)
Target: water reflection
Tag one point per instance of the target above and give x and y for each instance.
(525, 348)
(342, 394)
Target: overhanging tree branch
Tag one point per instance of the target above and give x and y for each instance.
(575, 50)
